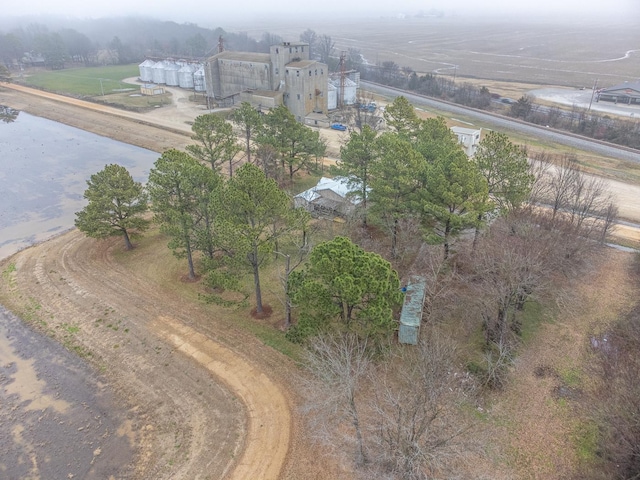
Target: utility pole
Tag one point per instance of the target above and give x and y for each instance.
(593, 92)
(287, 299)
(101, 87)
(343, 63)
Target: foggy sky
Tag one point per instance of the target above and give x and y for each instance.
(198, 11)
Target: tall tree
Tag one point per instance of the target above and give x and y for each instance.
(309, 36)
(116, 205)
(354, 59)
(78, 45)
(249, 120)
(253, 212)
(434, 139)
(294, 142)
(218, 143)
(343, 287)
(173, 188)
(506, 168)
(338, 365)
(205, 185)
(356, 158)
(197, 45)
(455, 195)
(396, 180)
(401, 117)
(11, 48)
(53, 49)
(326, 49)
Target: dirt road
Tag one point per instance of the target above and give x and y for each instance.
(128, 127)
(205, 401)
(199, 408)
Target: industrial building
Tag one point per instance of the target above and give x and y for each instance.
(286, 76)
(628, 92)
(178, 73)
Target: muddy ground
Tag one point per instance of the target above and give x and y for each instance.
(54, 403)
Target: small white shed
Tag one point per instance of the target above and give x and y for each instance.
(469, 138)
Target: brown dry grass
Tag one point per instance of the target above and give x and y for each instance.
(540, 432)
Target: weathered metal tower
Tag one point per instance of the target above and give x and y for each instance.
(343, 75)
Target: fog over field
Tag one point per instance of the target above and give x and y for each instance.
(252, 10)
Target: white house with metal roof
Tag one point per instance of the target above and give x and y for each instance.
(330, 196)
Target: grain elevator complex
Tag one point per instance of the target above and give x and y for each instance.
(284, 76)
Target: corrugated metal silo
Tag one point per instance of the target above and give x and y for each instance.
(171, 74)
(332, 101)
(350, 91)
(159, 77)
(185, 77)
(199, 83)
(146, 73)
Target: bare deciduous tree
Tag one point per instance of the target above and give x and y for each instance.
(417, 428)
(338, 366)
(562, 183)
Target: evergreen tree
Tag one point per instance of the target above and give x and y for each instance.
(116, 205)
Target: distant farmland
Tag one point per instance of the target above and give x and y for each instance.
(542, 53)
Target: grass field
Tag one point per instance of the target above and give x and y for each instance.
(561, 52)
(84, 82)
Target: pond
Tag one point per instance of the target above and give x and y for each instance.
(44, 167)
(58, 418)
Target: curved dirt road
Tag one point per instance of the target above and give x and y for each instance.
(148, 341)
(187, 425)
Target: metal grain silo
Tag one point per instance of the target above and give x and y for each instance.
(185, 76)
(171, 74)
(332, 101)
(199, 83)
(146, 73)
(159, 76)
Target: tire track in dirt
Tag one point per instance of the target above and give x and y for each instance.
(77, 279)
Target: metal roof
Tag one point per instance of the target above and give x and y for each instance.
(243, 56)
(413, 301)
(623, 86)
(465, 131)
(338, 185)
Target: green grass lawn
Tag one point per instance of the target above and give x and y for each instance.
(89, 81)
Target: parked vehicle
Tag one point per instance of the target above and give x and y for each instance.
(338, 126)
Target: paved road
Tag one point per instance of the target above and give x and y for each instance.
(509, 124)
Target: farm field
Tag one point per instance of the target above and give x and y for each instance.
(559, 52)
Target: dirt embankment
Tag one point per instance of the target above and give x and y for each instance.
(206, 401)
(198, 407)
(128, 127)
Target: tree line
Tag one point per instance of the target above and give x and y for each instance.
(576, 120)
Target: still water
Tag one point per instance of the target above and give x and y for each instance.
(44, 166)
(57, 419)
